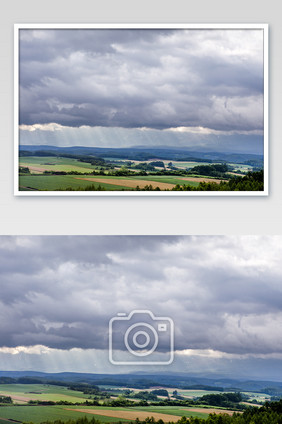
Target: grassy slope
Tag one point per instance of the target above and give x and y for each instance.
(54, 182)
(54, 393)
(38, 414)
(60, 164)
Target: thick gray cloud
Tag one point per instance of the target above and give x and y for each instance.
(142, 78)
(223, 293)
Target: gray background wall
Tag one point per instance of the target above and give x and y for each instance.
(123, 215)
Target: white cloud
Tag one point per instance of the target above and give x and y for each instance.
(28, 350)
(52, 126)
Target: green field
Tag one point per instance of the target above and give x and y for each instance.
(38, 414)
(170, 410)
(56, 182)
(50, 163)
(173, 410)
(167, 179)
(41, 392)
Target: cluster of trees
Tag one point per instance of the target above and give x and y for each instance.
(144, 395)
(90, 187)
(217, 170)
(158, 163)
(94, 161)
(145, 166)
(88, 389)
(24, 170)
(127, 163)
(63, 402)
(6, 399)
(227, 400)
(253, 181)
(160, 392)
(149, 166)
(148, 187)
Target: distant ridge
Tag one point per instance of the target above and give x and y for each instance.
(146, 153)
(145, 380)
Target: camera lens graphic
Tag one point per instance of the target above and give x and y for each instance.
(147, 339)
(128, 335)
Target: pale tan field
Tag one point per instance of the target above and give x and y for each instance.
(133, 170)
(210, 410)
(200, 179)
(234, 173)
(250, 404)
(130, 415)
(39, 169)
(35, 169)
(23, 399)
(131, 399)
(129, 183)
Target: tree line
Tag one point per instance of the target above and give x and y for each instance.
(226, 400)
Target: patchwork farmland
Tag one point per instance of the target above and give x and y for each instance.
(37, 403)
(89, 173)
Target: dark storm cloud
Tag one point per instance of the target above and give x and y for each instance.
(142, 78)
(223, 293)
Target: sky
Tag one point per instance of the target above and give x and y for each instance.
(142, 87)
(223, 293)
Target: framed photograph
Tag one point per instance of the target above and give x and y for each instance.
(146, 109)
